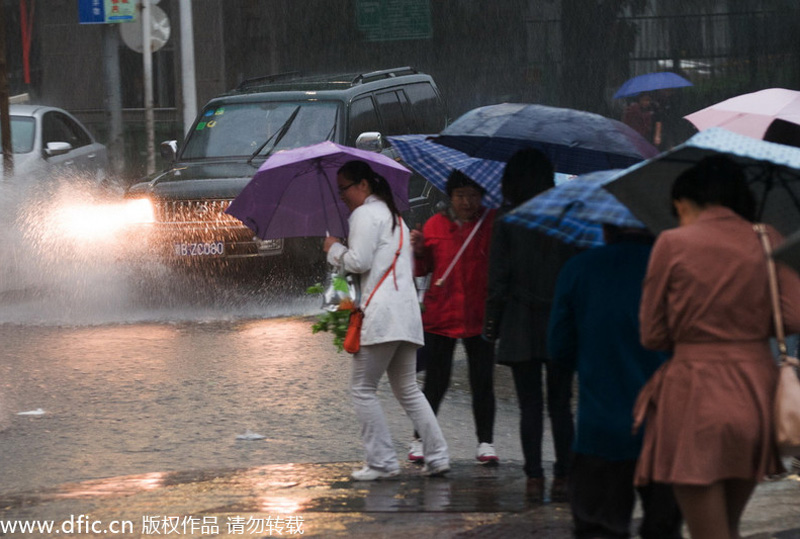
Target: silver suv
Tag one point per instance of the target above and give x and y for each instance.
(236, 132)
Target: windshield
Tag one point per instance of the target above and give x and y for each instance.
(238, 130)
(23, 129)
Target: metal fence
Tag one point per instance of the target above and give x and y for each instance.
(753, 49)
(723, 54)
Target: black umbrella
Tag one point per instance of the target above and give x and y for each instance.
(576, 141)
(772, 172)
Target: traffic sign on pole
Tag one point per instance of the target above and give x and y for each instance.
(106, 11)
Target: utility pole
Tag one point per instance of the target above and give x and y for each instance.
(113, 102)
(147, 53)
(5, 120)
(187, 66)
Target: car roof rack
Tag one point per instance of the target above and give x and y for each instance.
(384, 74)
(257, 81)
(260, 83)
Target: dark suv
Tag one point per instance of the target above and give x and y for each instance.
(237, 131)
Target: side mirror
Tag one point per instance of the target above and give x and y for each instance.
(169, 150)
(371, 141)
(57, 148)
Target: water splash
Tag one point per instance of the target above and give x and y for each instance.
(68, 260)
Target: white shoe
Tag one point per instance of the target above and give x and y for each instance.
(437, 471)
(486, 454)
(371, 474)
(415, 454)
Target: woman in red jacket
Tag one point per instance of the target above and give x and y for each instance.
(454, 247)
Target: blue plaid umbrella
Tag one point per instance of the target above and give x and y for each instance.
(575, 211)
(772, 172)
(435, 162)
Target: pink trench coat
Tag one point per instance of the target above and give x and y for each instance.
(708, 410)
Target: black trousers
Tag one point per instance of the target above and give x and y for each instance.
(602, 497)
(438, 360)
(530, 397)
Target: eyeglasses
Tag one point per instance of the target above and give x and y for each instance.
(346, 187)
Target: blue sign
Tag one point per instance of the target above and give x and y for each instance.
(105, 11)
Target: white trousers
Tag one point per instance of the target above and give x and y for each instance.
(398, 359)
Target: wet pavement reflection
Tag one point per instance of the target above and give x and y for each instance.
(472, 501)
(331, 502)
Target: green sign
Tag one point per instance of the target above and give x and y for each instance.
(393, 20)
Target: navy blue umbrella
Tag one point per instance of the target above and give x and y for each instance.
(575, 141)
(650, 82)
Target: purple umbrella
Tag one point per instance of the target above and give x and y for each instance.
(294, 193)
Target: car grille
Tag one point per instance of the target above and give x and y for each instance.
(195, 212)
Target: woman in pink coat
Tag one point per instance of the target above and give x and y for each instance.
(706, 298)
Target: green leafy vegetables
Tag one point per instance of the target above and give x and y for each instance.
(334, 321)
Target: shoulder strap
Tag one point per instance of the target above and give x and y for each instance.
(440, 280)
(391, 268)
(774, 293)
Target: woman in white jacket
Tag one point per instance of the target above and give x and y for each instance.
(392, 326)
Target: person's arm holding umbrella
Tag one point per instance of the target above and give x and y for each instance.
(655, 333)
(357, 256)
(362, 242)
(498, 290)
(423, 261)
(562, 332)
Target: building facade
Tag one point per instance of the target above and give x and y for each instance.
(572, 53)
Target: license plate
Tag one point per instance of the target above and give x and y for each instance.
(213, 248)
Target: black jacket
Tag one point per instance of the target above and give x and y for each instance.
(523, 268)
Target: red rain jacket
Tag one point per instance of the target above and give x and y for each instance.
(456, 308)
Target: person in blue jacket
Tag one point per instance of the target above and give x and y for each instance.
(594, 329)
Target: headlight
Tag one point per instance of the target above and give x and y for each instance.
(139, 211)
(95, 221)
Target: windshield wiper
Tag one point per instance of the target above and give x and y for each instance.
(278, 135)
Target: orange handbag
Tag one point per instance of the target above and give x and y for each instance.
(352, 339)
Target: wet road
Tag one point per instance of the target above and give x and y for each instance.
(173, 394)
(142, 419)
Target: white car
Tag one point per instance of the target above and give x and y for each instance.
(48, 142)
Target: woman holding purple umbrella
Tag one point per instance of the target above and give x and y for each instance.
(379, 251)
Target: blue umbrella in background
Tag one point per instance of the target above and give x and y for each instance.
(435, 162)
(575, 141)
(576, 210)
(650, 82)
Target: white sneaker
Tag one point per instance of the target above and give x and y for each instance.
(486, 454)
(415, 454)
(371, 474)
(437, 471)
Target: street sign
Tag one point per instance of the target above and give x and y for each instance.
(160, 31)
(106, 11)
(394, 20)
